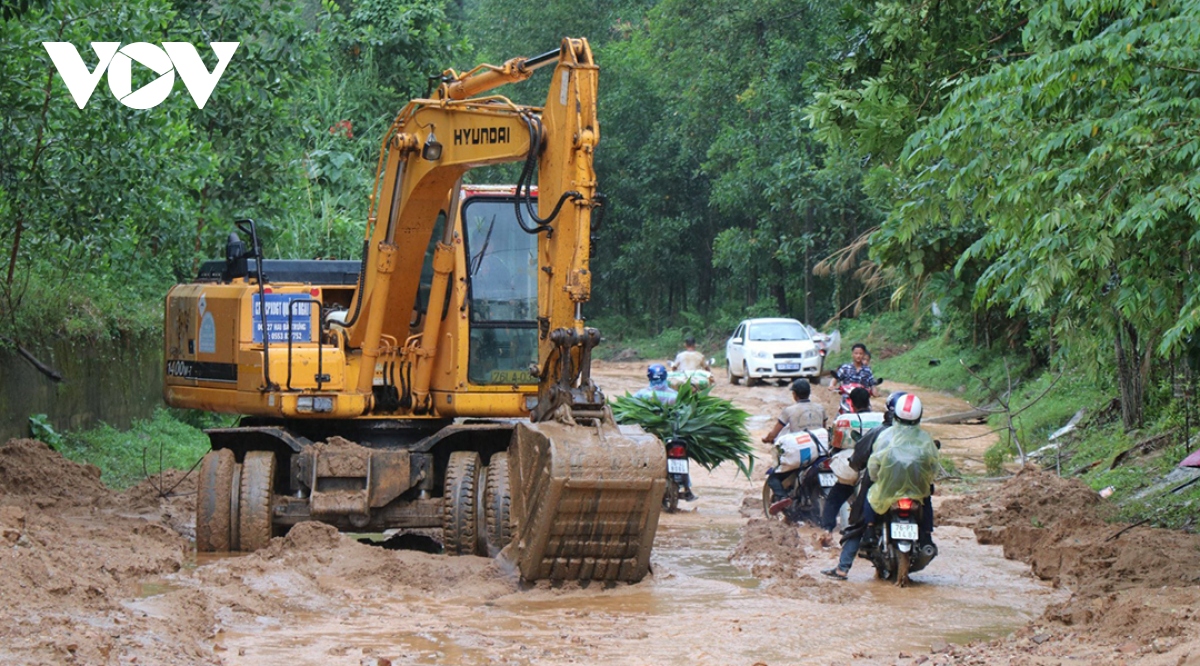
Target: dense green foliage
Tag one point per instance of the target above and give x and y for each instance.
(714, 429)
(1027, 169)
(112, 200)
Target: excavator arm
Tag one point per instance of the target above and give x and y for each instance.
(586, 493)
(426, 152)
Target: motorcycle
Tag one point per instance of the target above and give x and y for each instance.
(808, 484)
(898, 547)
(844, 389)
(677, 474)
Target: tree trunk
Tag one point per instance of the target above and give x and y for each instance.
(1130, 378)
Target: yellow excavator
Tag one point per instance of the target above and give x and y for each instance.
(441, 385)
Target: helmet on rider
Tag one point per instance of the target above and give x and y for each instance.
(657, 374)
(908, 409)
(893, 399)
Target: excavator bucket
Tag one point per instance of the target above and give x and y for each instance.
(585, 500)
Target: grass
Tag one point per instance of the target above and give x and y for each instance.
(170, 439)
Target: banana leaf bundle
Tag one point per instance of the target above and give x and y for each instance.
(714, 428)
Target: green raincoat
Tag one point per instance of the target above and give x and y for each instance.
(904, 464)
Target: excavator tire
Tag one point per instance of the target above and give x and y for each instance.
(586, 499)
(460, 505)
(255, 506)
(213, 491)
(481, 547)
(497, 504)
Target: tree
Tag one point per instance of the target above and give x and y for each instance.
(1082, 161)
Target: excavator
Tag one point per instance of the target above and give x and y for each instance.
(441, 385)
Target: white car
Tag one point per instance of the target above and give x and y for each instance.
(771, 349)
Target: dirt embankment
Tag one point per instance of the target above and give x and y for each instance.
(91, 576)
(1134, 595)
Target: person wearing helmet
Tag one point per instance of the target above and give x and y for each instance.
(907, 471)
(904, 460)
(857, 462)
(801, 415)
(658, 389)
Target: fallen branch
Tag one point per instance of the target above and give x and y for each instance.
(53, 374)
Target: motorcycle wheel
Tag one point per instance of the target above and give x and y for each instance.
(902, 564)
(810, 503)
(671, 497)
(767, 496)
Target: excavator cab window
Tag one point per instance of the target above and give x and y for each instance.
(502, 264)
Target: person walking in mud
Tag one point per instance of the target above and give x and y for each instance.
(803, 414)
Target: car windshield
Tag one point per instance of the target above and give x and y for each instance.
(778, 330)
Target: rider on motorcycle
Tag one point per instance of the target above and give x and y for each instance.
(857, 462)
(658, 389)
(858, 371)
(904, 462)
(905, 410)
(802, 415)
(657, 374)
(689, 360)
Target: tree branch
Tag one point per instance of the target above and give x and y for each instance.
(53, 374)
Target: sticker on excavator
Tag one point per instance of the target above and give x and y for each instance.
(511, 377)
(277, 307)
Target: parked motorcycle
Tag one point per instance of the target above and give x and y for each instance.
(897, 547)
(677, 473)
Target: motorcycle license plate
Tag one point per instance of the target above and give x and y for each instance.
(904, 531)
(787, 367)
(677, 466)
(827, 480)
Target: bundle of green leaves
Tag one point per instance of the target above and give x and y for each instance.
(713, 427)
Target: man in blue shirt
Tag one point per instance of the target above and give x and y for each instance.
(857, 371)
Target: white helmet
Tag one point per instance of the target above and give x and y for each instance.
(909, 409)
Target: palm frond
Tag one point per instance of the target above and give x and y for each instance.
(714, 428)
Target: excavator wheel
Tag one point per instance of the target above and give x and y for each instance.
(481, 548)
(497, 500)
(255, 505)
(213, 491)
(458, 512)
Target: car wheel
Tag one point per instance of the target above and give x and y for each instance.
(729, 371)
(750, 381)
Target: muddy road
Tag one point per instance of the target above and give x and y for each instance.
(95, 577)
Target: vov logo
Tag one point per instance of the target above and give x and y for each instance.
(118, 61)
